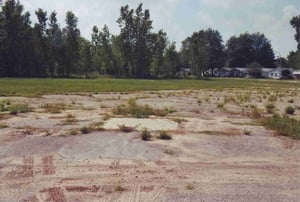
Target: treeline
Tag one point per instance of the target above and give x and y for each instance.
(45, 49)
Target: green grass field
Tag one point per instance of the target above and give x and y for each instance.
(35, 87)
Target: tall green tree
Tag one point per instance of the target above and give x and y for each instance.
(216, 49)
(203, 50)
(85, 59)
(294, 59)
(103, 53)
(40, 44)
(295, 22)
(15, 36)
(248, 48)
(294, 56)
(2, 38)
(56, 46)
(160, 41)
(71, 38)
(195, 51)
(171, 62)
(135, 33)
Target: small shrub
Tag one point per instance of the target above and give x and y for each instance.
(106, 117)
(119, 188)
(139, 111)
(146, 135)
(199, 101)
(221, 105)
(97, 126)
(4, 105)
(2, 126)
(207, 99)
(70, 119)
(126, 129)
(169, 110)
(228, 99)
(163, 135)
(256, 113)
(247, 132)
(270, 107)
(285, 125)
(169, 152)
(48, 133)
(189, 187)
(18, 108)
(85, 130)
(272, 98)
(54, 108)
(179, 120)
(73, 132)
(290, 110)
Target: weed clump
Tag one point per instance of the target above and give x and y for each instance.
(18, 108)
(179, 120)
(270, 107)
(256, 113)
(6, 106)
(54, 108)
(73, 132)
(70, 119)
(138, 111)
(163, 135)
(2, 126)
(146, 135)
(284, 125)
(85, 130)
(290, 110)
(126, 129)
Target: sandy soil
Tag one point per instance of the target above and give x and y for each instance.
(210, 157)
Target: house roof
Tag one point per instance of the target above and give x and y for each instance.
(242, 69)
(296, 72)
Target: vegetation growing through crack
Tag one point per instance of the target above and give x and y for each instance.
(284, 125)
(138, 111)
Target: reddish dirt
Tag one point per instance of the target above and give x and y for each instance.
(55, 194)
(48, 167)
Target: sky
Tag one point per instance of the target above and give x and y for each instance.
(180, 18)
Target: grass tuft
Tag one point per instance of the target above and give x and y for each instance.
(126, 129)
(146, 135)
(18, 108)
(138, 111)
(270, 107)
(85, 130)
(163, 135)
(54, 108)
(284, 125)
(290, 110)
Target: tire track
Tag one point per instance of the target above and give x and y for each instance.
(54, 194)
(48, 165)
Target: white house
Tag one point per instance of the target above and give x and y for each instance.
(271, 73)
(296, 75)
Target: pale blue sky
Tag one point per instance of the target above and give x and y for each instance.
(180, 18)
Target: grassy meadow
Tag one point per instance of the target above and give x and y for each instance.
(35, 87)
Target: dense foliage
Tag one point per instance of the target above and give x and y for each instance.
(45, 49)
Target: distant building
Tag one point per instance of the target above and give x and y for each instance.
(239, 72)
(274, 73)
(230, 72)
(222, 72)
(296, 75)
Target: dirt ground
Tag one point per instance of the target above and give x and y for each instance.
(217, 151)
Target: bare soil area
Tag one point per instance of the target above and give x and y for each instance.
(218, 152)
